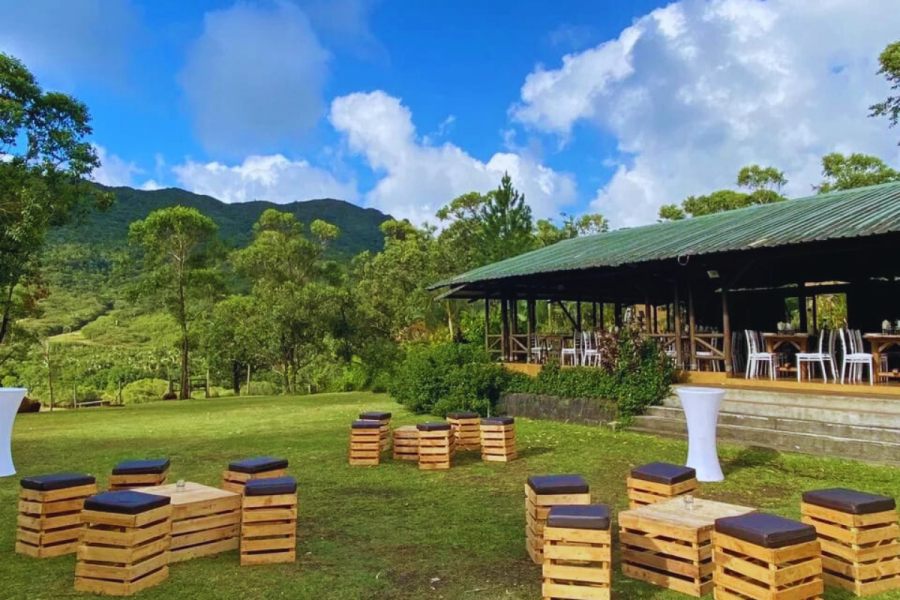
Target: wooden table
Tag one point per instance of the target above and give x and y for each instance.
(800, 341)
(881, 342)
(205, 520)
(670, 546)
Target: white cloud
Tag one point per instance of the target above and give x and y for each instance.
(88, 38)
(254, 77)
(696, 90)
(151, 185)
(273, 178)
(417, 178)
(114, 171)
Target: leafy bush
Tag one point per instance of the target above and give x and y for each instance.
(260, 388)
(634, 372)
(144, 390)
(447, 377)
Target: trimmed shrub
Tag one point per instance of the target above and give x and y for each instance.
(144, 390)
(447, 377)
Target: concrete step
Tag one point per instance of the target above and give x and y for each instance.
(836, 400)
(832, 429)
(791, 441)
(866, 412)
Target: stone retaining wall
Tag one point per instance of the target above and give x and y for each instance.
(590, 411)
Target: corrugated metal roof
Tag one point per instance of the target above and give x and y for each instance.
(851, 213)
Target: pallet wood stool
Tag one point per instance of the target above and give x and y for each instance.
(365, 443)
(133, 474)
(384, 419)
(125, 543)
(269, 521)
(670, 546)
(49, 519)
(261, 467)
(577, 553)
(498, 439)
(205, 520)
(542, 493)
(436, 446)
(858, 533)
(764, 557)
(658, 482)
(466, 429)
(406, 443)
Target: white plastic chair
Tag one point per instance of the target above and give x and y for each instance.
(811, 358)
(854, 357)
(755, 357)
(590, 354)
(538, 347)
(574, 351)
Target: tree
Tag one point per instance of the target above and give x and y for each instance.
(178, 243)
(43, 181)
(507, 229)
(547, 233)
(857, 170)
(463, 236)
(764, 185)
(890, 68)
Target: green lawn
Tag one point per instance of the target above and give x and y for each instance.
(387, 532)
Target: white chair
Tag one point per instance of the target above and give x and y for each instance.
(854, 357)
(756, 358)
(573, 351)
(538, 347)
(811, 358)
(590, 354)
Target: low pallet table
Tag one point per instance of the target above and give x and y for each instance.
(125, 543)
(383, 419)
(498, 439)
(667, 545)
(365, 443)
(205, 520)
(133, 474)
(269, 521)
(406, 443)
(436, 446)
(858, 533)
(49, 519)
(240, 472)
(577, 553)
(542, 493)
(658, 482)
(466, 429)
(765, 557)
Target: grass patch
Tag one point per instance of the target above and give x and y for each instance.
(388, 532)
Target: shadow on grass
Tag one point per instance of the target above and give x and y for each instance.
(534, 451)
(752, 457)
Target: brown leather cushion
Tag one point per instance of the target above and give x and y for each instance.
(765, 530)
(665, 473)
(498, 421)
(366, 425)
(593, 516)
(56, 481)
(273, 486)
(462, 415)
(558, 484)
(260, 464)
(125, 502)
(153, 466)
(850, 501)
(437, 426)
(374, 416)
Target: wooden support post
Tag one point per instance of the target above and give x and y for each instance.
(487, 324)
(655, 310)
(647, 322)
(514, 315)
(679, 359)
(692, 325)
(529, 316)
(726, 333)
(594, 315)
(504, 328)
(815, 313)
(801, 303)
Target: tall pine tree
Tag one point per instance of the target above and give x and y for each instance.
(507, 223)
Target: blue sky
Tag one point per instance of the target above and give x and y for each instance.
(611, 107)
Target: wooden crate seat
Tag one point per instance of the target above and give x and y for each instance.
(132, 474)
(436, 446)
(543, 492)
(384, 420)
(466, 429)
(498, 439)
(240, 472)
(766, 557)
(858, 532)
(365, 443)
(659, 481)
(125, 543)
(577, 553)
(406, 443)
(49, 513)
(269, 521)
